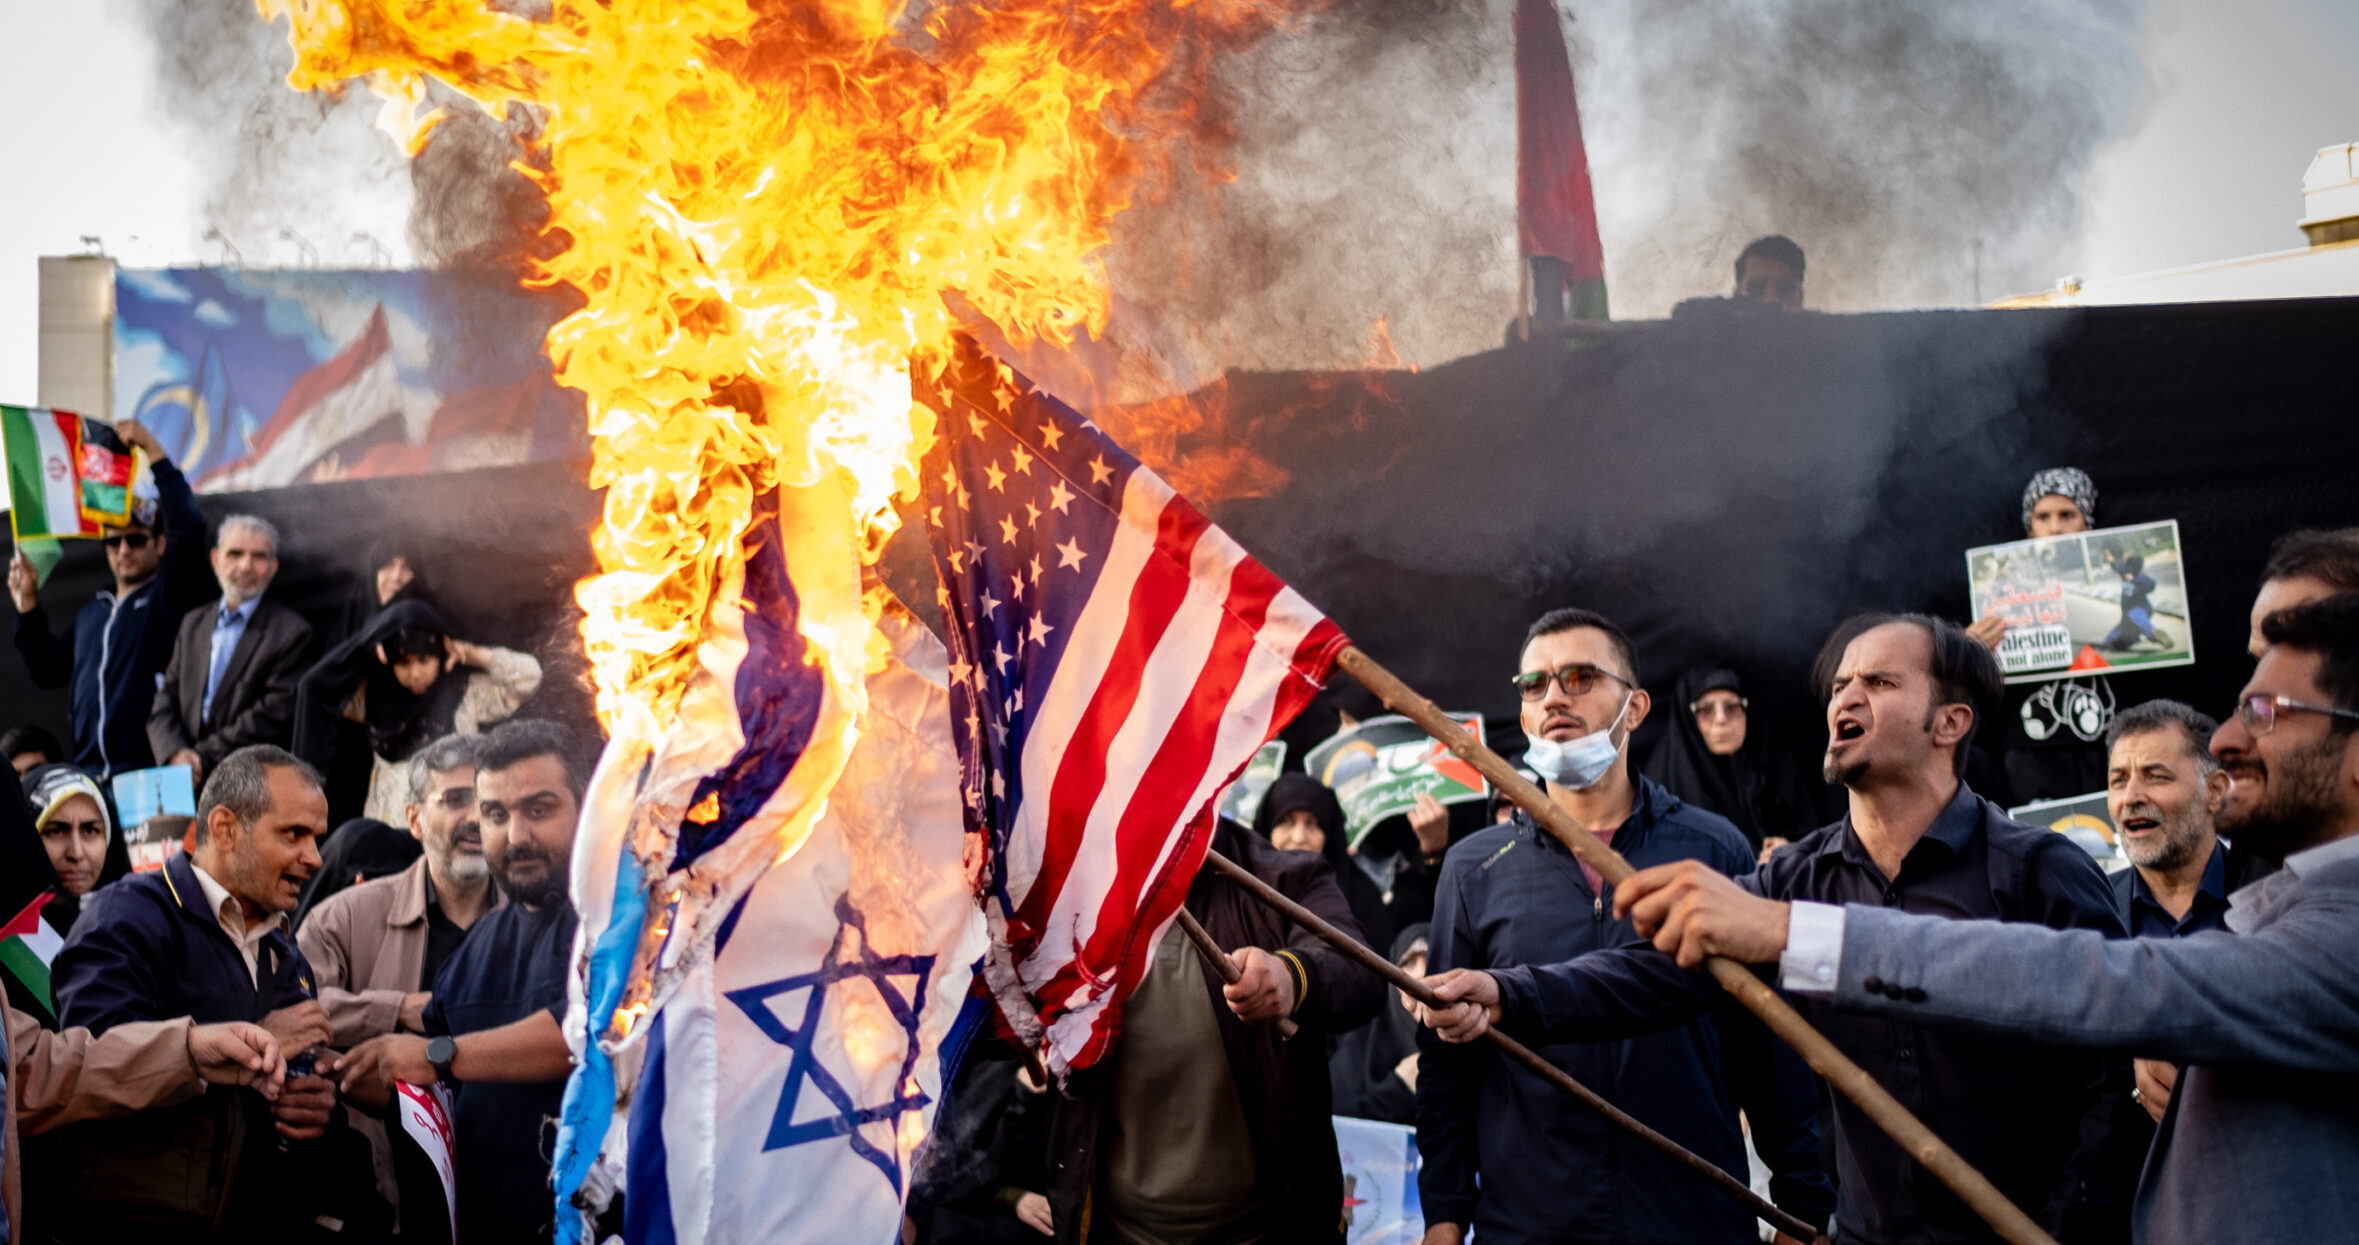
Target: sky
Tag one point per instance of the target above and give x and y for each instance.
(2208, 167)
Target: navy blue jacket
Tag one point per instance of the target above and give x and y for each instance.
(1550, 1169)
(2144, 918)
(115, 653)
(148, 948)
(512, 964)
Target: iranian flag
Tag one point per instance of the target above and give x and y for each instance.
(27, 945)
(44, 481)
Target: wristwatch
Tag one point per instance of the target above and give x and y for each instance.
(440, 1051)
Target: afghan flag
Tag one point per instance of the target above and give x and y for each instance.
(44, 473)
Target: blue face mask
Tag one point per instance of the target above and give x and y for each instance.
(1576, 764)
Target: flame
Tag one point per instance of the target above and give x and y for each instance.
(763, 205)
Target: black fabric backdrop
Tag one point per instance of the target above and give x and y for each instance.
(1722, 484)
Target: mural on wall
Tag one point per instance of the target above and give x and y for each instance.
(257, 379)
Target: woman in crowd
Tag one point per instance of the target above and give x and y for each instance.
(1299, 814)
(1374, 1068)
(410, 681)
(78, 840)
(394, 574)
(1714, 758)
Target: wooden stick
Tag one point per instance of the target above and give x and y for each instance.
(1513, 1049)
(1848, 1078)
(1222, 964)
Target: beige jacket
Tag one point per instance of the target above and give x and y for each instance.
(367, 947)
(65, 1077)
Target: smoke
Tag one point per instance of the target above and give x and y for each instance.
(1901, 143)
(273, 162)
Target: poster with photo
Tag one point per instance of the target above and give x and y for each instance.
(1379, 767)
(1243, 798)
(2114, 598)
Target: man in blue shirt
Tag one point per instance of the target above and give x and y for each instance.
(235, 663)
(2163, 788)
(120, 640)
(1903, 696)
(1517, 1159)
(493, 1025)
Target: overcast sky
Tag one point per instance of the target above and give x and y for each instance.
(2241, 95)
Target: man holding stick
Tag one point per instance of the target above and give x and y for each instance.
(2261, 1141)
(1550, 1168)
(1903, 697)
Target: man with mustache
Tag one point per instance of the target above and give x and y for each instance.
(492, 1024)
(378, 946)
(1904, 695)
(2261, 1141)
(235, 663)
(205, 937)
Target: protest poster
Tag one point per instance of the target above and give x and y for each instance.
(2082, 818)
(141, 795)
(1243, 798)
(425, 1113)
(1379, 1182)
(1378, 768)
(2113, 598)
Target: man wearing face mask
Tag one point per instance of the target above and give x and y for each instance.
(1513, 1158)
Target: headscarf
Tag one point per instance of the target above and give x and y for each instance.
(399, 721)
(2070, 483)
(1755, 788)
(364, 604)
(1291, 792)
(47, 787)
(362, 846)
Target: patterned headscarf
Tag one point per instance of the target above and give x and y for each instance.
(2070, 483)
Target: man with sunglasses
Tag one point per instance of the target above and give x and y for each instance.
(1506, 1154)
(120, 640)
(2261, 1140)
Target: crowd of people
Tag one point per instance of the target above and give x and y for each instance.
(2164, 1053)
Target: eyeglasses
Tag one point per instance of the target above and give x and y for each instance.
(1720, 710)
(457, 798)
(128, 540)
(2259, 712)
(1578, 679)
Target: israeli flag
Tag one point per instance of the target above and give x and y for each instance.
(793, 1073)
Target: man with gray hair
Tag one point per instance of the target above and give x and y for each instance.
(377, 946)
(236, 662)
(2163, 787)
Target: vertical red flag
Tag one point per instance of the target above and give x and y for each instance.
(1556, 213)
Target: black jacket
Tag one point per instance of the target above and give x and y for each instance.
(1282, 1082)
(255, 703)
(147, 948)
(111, 656)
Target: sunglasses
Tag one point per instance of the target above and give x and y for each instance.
(128, 540)
(1578, 679)
(2260, 711)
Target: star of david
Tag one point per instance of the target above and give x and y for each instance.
(841, 964)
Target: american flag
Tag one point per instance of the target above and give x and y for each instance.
(1115, 661)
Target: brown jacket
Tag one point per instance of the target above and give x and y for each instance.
(61, 1078)
(367, 947)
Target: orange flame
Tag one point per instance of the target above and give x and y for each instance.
(763, 204)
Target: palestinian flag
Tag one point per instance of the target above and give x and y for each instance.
(27, 945)
(44, 450)
(1556, 212)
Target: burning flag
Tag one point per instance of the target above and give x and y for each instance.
(1116, 660)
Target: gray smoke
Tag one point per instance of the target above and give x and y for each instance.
(1898, 142)
(270, 159)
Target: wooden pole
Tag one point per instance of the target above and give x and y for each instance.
(1848, 1078)
(1222, 964)
(1513, 1049)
